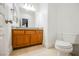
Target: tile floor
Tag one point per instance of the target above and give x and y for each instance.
(38, 50)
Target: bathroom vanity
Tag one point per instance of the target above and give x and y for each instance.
(22, 37)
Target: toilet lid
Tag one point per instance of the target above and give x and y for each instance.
(63, 44)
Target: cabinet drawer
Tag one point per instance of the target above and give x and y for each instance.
(39, 31)
(18, 31)
(29, 32)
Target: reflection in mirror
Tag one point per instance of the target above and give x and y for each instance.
(17, 12)
(24, 22)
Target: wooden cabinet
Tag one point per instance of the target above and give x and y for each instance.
(26, 37)
(37, 37)
(19, 39)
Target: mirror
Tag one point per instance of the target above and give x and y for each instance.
(20, 14)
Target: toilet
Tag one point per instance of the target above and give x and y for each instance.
(64, 47)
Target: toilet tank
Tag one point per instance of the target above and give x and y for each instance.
(69, 38)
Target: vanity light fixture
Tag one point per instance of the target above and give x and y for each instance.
(29, 7)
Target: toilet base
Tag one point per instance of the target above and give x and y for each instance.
(62, 54)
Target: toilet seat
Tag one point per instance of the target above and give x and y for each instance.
(64, 45)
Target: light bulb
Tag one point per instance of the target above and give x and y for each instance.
(29, 7)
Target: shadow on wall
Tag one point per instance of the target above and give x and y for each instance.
(77, 39)
(76, 46)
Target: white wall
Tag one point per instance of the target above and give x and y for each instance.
(2, 46)
(5, 42)
(62, 19)
(52, 24)
(42, 21)
(68, 19)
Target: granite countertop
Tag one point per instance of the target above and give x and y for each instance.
(39, 28)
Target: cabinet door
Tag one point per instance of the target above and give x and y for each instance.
(17, 41)
(13, 41)
(37, 37)
(27, 40)
(21, 41)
